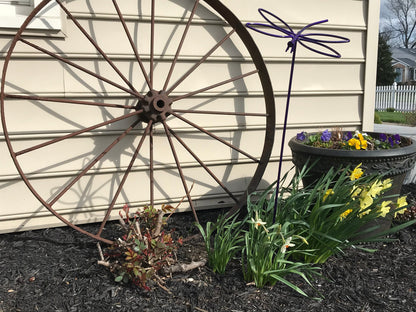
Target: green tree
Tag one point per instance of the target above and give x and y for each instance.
(385, 70)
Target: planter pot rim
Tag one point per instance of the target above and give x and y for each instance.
(297, 145)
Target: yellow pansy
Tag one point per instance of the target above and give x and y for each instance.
(359, 143)
(356, 173)
(384, 208)
(355, 143)
(363, 141)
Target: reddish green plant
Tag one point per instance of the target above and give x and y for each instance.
(145, 248)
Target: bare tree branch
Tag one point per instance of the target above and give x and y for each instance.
(402, 21)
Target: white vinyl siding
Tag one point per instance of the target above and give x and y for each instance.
(13, 14)
(17, 2)
(326, 93)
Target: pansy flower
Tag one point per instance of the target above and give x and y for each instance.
(348, 136)
(326, 136)
(301, 136)
(391, 141)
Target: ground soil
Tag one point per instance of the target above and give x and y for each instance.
(56, 270)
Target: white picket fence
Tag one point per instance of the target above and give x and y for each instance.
(401, 98)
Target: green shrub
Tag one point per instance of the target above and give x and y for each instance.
(377, 119)
(390, 109)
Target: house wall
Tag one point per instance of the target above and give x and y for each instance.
(326, 93)
(403, 78)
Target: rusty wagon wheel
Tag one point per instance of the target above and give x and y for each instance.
(117, 110)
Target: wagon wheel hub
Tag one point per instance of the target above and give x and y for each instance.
(156, 106)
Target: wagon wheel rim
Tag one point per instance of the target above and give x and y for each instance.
(151, 108)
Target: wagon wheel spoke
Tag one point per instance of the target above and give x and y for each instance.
(95, 44)
(151, 169)
(178, 165)
(190, 111)
(203, 165)
(215, 137)
(133, 46)
(152, 43)
(215, 85)
(123, 180)
(201, 61)
(73, 134)
(66, 101)
(178, 51)
(92, 163)
(81, 68)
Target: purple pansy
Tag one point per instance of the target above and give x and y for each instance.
(391, 141)
(396, 138)
(326, 136)
(301, 136)
(348, 136)
(383, 137)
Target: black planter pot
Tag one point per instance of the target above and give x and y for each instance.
(394, 163)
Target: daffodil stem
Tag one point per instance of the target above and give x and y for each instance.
(282, 146)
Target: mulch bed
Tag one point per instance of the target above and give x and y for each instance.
(56, 270)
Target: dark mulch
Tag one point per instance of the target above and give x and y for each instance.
(56, 270)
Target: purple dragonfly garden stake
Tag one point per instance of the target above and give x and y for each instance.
(315, 42)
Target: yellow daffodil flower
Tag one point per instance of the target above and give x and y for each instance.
(327, 193)
(356, 173)
(384, 208)
(401, 202)
(366, 200)
(387, 183)
(355, 192)
(375, 188)
(345, 214)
